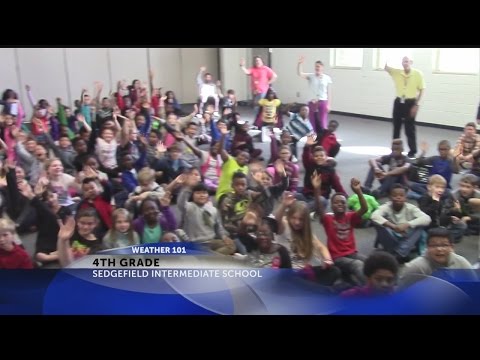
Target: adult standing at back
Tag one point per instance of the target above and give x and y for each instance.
(261, 78)
(321, 92)
(409, 87)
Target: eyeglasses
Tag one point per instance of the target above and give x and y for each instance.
(440, 246)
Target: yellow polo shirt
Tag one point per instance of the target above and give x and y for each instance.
(407, 85)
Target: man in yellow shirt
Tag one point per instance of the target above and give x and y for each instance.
(409, 87)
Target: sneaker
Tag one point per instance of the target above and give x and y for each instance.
(198, 116)
(477, 265)
(313, 216)
(238, 256)
(294, 159)
(216, 114)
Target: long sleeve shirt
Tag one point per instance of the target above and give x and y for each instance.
(408, 214)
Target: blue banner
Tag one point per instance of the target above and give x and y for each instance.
(210, 291)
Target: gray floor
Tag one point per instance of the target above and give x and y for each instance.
(361, 140)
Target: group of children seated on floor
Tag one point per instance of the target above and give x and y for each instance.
(113, 183)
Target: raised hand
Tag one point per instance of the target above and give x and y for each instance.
(180, 179)
(288, 198)
(25, 189)
(44, 180)
(98, 85)
(257, 176)
(424, 146)
(66, 230)
(311, 139)
(166, 199)
(39, 188)
(161, 148)
(89, 172)
(316, 179)
(203, 68)
(279, 167)
(81, 118)
(356, 185)
(301, 59)
(242, 62)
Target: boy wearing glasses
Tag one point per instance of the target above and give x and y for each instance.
(439, 255)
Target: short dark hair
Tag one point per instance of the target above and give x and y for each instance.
(88, 157)
(472, 124)
(335, 122)
(439, 232)
(319, 149)
(469, 179)
(271, 223)
(397, 186)
(318, 62)
(444, 143)
(239, 175)
(338, 194)
(88, 181)
(87, 212)
(380, 259)
(200, 187)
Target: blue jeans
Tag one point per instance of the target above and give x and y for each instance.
(393, 242)
(385, 184)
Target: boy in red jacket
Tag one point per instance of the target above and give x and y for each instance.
(327, 139)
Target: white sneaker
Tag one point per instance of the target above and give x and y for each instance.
(477, 265)
(199, 116)
(294, 159)
(216, 114)
(313, 216)
(239, 256)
